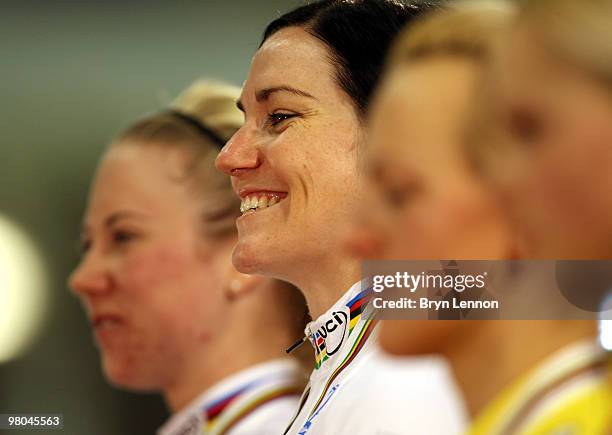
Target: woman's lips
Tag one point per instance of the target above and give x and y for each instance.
(101, 320)
(107, 327)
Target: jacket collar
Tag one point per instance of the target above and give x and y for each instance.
(222, 398)
(330, 333)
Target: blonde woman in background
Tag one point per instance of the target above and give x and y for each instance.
(168, 311)
(432, 187)
(552, 157)
(551, 161)
(424, 200)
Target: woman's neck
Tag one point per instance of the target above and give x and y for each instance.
(324, 284)
(198, 375)
(496, 353)
(236, 350)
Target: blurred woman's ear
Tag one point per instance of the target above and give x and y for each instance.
(238, 284)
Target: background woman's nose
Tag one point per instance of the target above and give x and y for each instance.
(240, 154)
(363, 241)
(90, 277)
(368, 232)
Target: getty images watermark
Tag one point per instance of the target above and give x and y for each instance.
(479, 289)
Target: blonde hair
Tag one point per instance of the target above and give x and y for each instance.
(466, 28)
(579, 32)
(212, 105)
(469, 30)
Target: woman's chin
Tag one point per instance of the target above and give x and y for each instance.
(248, 259)
(125, 374)
(264, 254)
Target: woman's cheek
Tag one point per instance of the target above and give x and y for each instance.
(147, 272)
(443, 220)
(411, 234)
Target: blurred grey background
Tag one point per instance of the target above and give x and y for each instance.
(73, 73)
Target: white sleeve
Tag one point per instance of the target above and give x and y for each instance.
(408, 396)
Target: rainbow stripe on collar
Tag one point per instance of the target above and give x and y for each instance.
(321, 354)
(252, 405)
(212, 411)
(356, 306)
(357, 346)
(221, 415)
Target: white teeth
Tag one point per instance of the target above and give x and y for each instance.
(254, 203)
(245, 205)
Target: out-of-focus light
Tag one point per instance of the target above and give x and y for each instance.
(23, 290)
(605, 324)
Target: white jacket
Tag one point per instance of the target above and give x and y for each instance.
(256, 401)
(356, 390)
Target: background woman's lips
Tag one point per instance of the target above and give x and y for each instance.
(108, 329)
(99, 320)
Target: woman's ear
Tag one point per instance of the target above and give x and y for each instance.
(238, 284)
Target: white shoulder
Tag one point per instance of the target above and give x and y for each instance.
(394, 396)
(271, 418)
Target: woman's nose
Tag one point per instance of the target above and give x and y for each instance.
(240, 155)
(367, 233)
(364, 242)
(90, 278)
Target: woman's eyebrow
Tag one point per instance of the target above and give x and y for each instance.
(119, 216)
(264, 94)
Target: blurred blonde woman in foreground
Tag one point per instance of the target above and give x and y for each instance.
(168, 311)
(551, 160)
(419, 161)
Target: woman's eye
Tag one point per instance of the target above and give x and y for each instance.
(525, 126)
(399, 196)
(120, 237)
(83, 246)
(395, 197)
(396, 193)
(276, 118)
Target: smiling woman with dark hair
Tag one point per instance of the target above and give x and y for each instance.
(295, 165)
